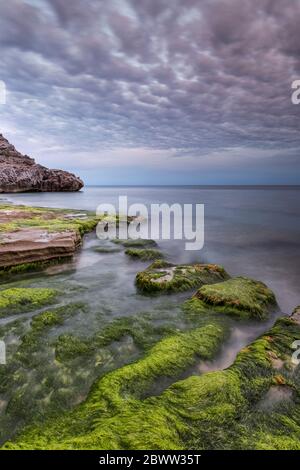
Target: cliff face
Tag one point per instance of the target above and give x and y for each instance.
(20, 173)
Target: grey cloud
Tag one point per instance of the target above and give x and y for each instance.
(186, 75)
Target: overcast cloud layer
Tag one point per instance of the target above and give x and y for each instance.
(154, 91)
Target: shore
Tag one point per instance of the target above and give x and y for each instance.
(162, 397)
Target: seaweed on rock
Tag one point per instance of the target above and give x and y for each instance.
(240, 297)
(211, 411)
(21, 300)
(163, 277)
(143, 254)
(136, 243)
(114, 408)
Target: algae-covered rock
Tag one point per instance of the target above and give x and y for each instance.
(143, 254)
(136, 243)
(39, 325)
(106, 249)
(165, 277)
(21, 300)
(120, 391)
(217, 410)
(142, 332)
(240, 296)
(68, 346)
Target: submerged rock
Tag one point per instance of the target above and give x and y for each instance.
(20, 173)
(135, 243)
(21, 300)
(143, 254)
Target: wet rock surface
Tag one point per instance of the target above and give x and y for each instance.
(30, 235)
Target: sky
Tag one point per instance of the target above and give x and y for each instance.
(139, 92)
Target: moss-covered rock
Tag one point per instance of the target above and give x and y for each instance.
(136, 243)
(216, 410)
(39, 325)
(69, 346)
(163, 277)
(21, 300)
(143, 254)
(117, 396)
(143, 333)
(240, 296)
(8, 272)
(106, 249)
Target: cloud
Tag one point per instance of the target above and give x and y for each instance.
(139, 83)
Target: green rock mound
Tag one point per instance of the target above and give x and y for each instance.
(143, 254)
(106, 249)
(163, 277)
(241, 296)
(138, 243)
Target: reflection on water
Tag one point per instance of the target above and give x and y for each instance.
(240, 336)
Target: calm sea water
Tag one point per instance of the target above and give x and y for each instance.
(253, 232)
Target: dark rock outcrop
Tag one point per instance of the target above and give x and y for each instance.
(20, 173)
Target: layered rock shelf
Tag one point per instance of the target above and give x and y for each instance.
(31, 236)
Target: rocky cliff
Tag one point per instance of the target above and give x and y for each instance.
(20, 173)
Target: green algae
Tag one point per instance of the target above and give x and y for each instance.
(216, 410)
(106, 249)
(143, 333)
(118, 393)
(240, 296)
(39, 325)
(135, 243)
(53, 220)
(31, 382)
(36, 266)
(68, 347)
(21, 300)
(143, 254)
(166, 278)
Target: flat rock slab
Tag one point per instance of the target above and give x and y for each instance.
(33, 245)
(33, 235)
